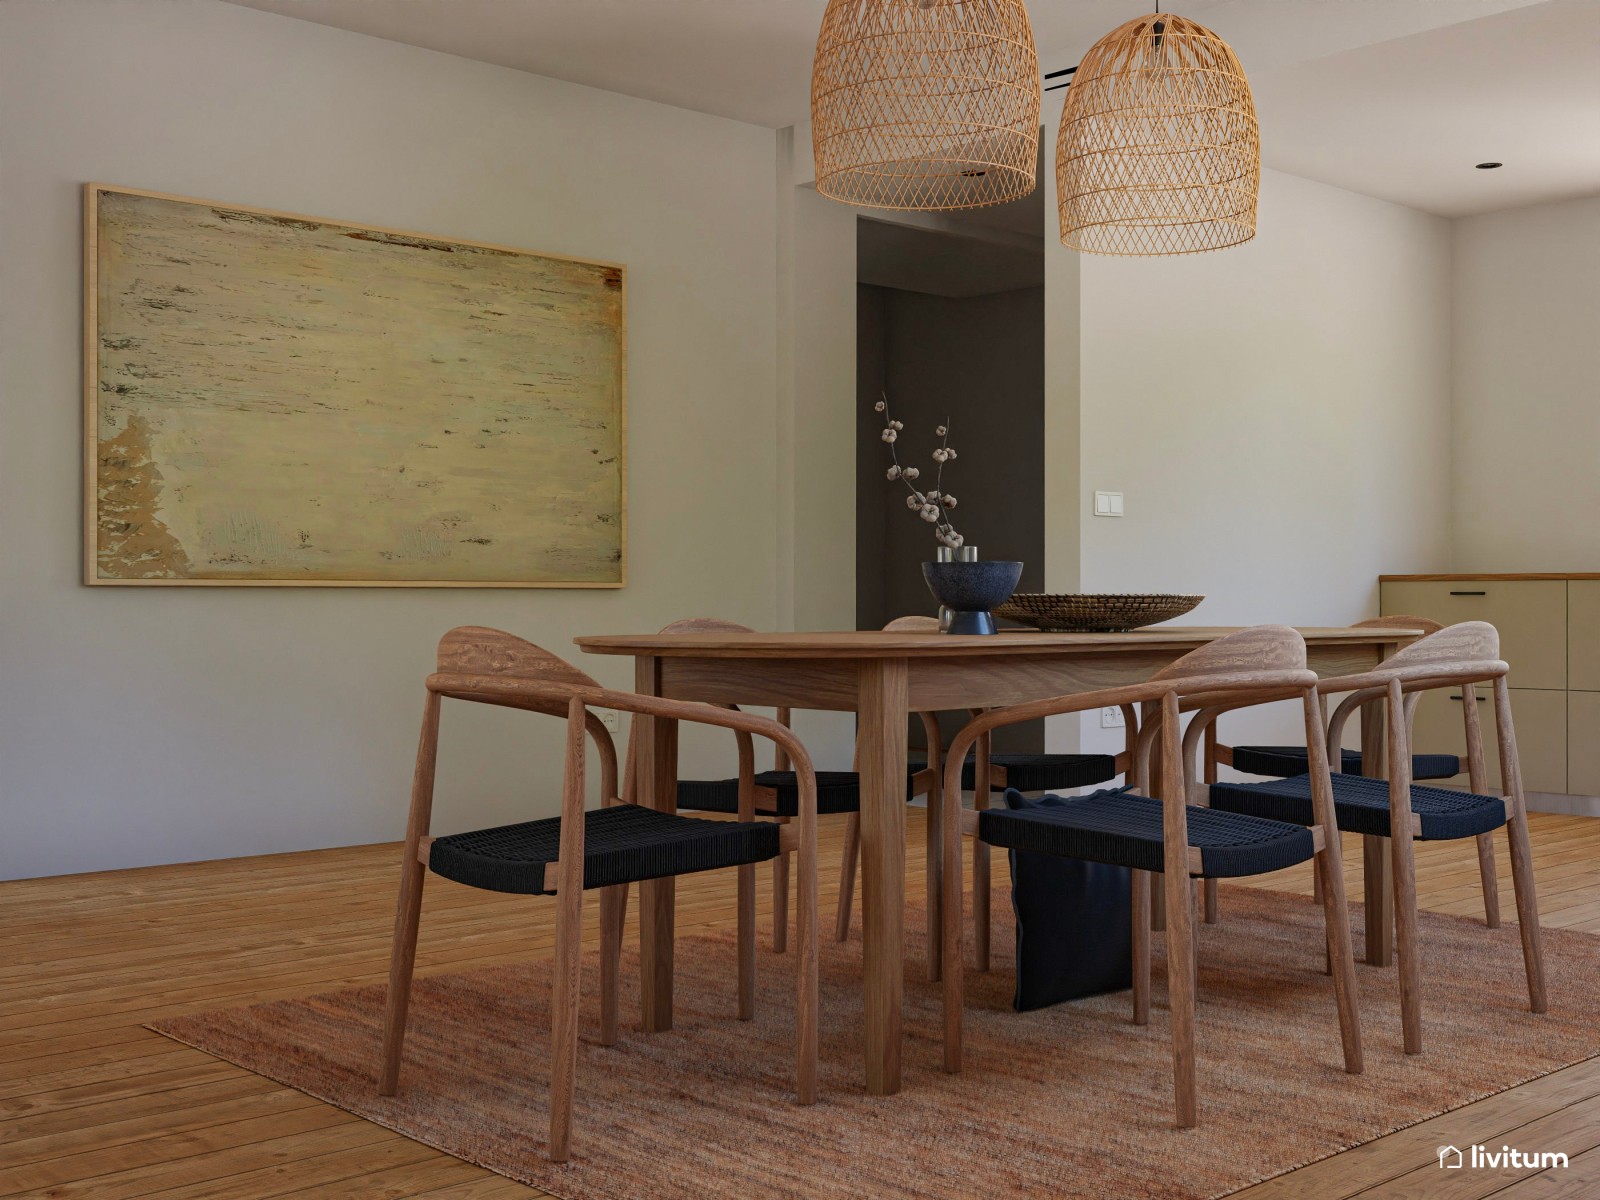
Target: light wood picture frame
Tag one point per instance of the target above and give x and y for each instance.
(272, 399)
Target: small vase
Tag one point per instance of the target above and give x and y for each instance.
(970, 589)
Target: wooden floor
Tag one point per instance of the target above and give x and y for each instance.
(94, 1106)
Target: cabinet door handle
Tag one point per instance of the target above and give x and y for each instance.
(1469, 593)
(1479, 699)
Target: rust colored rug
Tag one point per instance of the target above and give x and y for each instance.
(1072, 1101)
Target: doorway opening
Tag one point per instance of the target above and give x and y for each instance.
(950, 328)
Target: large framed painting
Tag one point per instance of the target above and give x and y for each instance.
(274, 399)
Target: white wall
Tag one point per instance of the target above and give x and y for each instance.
(1526, 419)
(816, 396)
(151, 725)
(1275, 415)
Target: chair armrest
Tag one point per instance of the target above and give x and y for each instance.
(553, 697)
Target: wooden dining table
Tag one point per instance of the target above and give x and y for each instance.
(882, 677)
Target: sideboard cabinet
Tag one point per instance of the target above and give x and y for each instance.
(1550, 634)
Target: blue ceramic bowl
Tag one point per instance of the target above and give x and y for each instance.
(972, 586)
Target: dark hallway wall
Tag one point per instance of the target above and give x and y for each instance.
(976, 362)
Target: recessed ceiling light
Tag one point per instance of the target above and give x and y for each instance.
(1489, 166)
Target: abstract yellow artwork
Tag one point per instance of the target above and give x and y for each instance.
(274, 399)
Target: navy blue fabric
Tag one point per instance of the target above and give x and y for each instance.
(837, 792)
(621, 844)
(1283, 761)
(1361, 805)
(1074, 923)
(1122, 828)
(1040, 772)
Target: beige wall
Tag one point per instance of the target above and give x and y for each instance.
(1526, 427)
(1275, 414)
(141, 726)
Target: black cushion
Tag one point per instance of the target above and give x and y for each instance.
(1291, 760)
(1074, 923)
(1120, 827)
(1361, 805)
(1040, 772)
(837, 792)
(621, 844)
(1037, 772)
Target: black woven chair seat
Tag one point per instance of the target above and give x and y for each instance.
(1283, 761)
(837, 792)
(621, 844)
(1125, 829)
(1041, 772)
(1361, 805)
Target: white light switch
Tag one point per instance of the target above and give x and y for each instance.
(1108, 504)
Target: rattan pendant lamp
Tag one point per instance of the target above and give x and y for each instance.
(1159, 151)
(925, 104)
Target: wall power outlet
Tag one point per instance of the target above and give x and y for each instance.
(1111, 718)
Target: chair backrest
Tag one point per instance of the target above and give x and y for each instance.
(477, 650)
(706, 625)
(1468, 642)
(1400, 621)
(695, 625)
(913, 625)
(1258, 651)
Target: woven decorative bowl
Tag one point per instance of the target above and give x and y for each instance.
(1093, 614)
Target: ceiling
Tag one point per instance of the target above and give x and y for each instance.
(1406, 120)
(944, 262)
(1395, 98)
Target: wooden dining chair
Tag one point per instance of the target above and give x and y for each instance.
(607, 848)
(1463, 656)
(776, 794)
(1025, 772)
(1167, 835)
(1284, 761)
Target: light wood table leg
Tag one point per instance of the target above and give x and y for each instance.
(982, 859)
(1158, 891)
(657, 783)
(1377, 865)
(881, 707)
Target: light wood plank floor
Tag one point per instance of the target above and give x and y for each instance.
(93, 1106)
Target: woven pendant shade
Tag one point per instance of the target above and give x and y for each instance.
(925, 104)
(1158, 151)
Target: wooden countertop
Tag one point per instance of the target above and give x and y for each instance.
(1489, 576)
